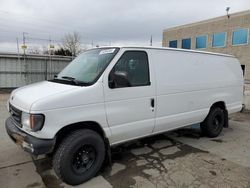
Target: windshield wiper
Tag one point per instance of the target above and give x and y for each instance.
(74, 80)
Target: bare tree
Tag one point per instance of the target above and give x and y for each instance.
(34, 50)
(71, 42)
(45, 50)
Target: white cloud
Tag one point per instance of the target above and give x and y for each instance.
(106, 21)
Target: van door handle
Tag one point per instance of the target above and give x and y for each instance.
(152, 102)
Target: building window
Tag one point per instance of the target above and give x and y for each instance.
(240, 37)
(201, 41)
(173, 44)
(186, 43)
(219, 39)
(243, 69)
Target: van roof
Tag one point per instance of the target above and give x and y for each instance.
(171, 49)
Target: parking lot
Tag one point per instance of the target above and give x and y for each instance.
(182, 158)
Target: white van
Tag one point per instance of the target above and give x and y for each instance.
(107, 96)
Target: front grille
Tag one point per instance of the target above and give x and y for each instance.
(15, 114)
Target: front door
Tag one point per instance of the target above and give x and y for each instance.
(129, 91)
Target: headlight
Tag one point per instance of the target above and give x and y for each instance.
(33, 122)
(25, 120)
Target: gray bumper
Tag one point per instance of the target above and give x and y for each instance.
(29, 143)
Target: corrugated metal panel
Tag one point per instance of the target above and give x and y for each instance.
(17, 71)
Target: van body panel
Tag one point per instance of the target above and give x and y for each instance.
(72, 98)
(57, 119)
(189, 84)
(24, 97)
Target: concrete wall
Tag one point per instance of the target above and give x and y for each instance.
(209, 27)
(16, 71)
(247, 100)
(247, 95)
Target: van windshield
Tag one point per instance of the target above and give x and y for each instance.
(87, 67)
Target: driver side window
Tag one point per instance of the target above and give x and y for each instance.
(131, 70)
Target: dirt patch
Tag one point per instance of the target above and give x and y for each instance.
(51, 181)
(189, 133)
(43, 168)
(16, 173)
(36, 184)
(241, 116)
(213, 172)
(217, 140)
(43, 164)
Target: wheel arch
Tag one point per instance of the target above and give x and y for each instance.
(222, 105)
(91, 125)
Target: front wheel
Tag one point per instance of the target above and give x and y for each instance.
(214, 122)
(79, 157)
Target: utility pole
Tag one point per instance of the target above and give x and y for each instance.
(228, 30)
(24, 47)
(228, 15)
(47, 71)
(19, 62)
(151, 40)
(17, 45)
(50, 49)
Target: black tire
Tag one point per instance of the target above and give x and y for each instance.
(214, 122)
(79, 157)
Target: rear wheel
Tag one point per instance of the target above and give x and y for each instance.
(79, 157)
(214, 122)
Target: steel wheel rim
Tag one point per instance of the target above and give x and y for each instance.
(217, 122)
(83, 159)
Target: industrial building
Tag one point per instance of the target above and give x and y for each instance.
(225, 34)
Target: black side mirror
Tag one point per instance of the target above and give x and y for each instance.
(119, 79)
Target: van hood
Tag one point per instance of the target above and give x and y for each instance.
(24, 97)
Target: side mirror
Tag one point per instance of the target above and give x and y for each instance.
(119, 79)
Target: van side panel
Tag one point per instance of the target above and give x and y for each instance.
(189, 83)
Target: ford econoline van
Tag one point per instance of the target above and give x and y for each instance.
(108, 96)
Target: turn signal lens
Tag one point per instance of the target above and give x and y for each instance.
(36, 122)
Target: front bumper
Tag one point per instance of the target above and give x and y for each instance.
(31, 144)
